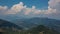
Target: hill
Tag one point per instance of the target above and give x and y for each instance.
(41, 29)
(32, 22)
(7, 27)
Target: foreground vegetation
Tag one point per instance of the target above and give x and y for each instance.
(35, 30)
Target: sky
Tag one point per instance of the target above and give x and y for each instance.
(38, 3)
(16, 9)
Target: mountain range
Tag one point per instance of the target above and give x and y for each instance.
(33, 22)
(31, 25)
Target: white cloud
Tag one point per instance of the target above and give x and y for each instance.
(27, 11)
(33, 7)
(50, 11)
(55, 6)
(3, 7)
(16, 8)
(53, 3)
(3, 10)
(53, 9)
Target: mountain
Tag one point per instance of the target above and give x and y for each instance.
(6, 25)
(51, 26)
(33, 22)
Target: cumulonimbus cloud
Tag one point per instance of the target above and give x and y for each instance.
(53, 9)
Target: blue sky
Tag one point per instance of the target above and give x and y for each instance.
(40, 4)
(29, 8)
